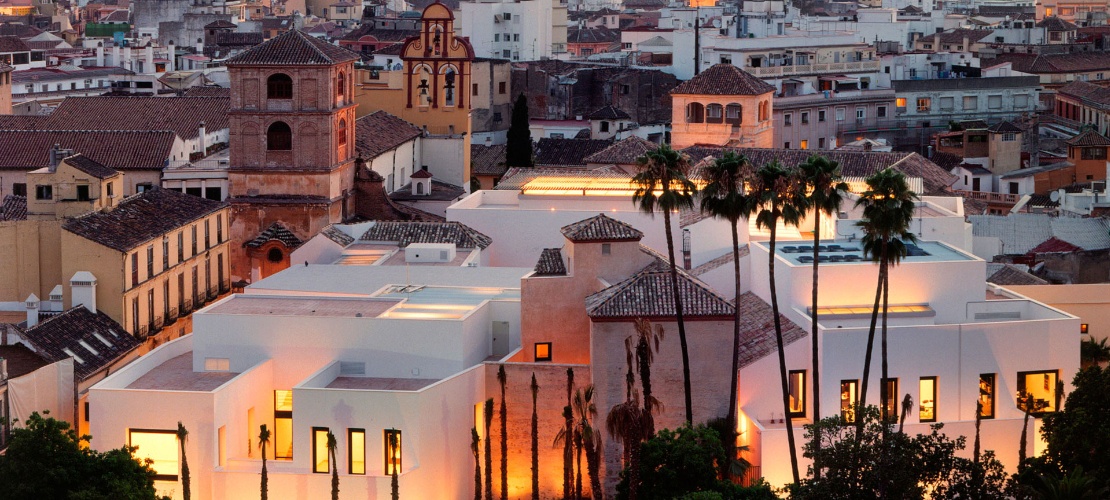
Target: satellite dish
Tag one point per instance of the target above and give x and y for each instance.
(1054, 196)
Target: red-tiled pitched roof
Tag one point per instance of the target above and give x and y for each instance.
(13, 44)
(1054, 245)
(380, 132)
(1088, 138)
(77, 326)
(1010, 275)
(1056, 63)
(88, 166)
(648, 294)
(593, 35)
(723, 79)
(609, 112)
(276, 231)
(624, 152)
(408, 232)
(293, 48)
(600, 228)
(1095, 94)
(121, 150)
(551, 263)
(182, 115)
(1054, 23)
(757, 329)
(141, 217)
(487, 160)
(567, 152)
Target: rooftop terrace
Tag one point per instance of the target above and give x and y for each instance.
(177, 374)
(841, 252)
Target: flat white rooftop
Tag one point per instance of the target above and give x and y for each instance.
(252, 304)
(368, 280)
(381, 384)
(177, 374)
(844, 252)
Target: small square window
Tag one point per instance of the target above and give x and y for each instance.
(543, 351)
(606, 249)
(1083, 328)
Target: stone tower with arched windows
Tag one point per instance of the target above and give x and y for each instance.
(292, 148)
(722, 106)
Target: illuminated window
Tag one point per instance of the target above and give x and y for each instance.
(890, 406)
(927, 409)
(1039, 387)
(924, 104)
(900, 102)
(356, 451)
(217, 364)
(804, 144)
(283, 424)
(797, 384)
(320, 456)
(986, 395)
(849, 397)
(160, 446)
(543, 351)
(1083, 328)
(392, 451)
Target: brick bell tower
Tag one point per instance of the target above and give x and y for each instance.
(292, 141)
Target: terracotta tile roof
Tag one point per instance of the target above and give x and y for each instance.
(852, 163)
(1004, 127)
(567, 152)
(421, 174)
(1056, 24)
(551, 263)
(343, 239)
(1054, 245)
(379, 34)
(406, 232)
(516, 177)
(276, 231)
(719, 261)
(380, 132)
(141, 217)
(21, 122)
(947, 161)
(957, 36)
(487, 160)
(648, 294)
(593, 35)
(182, 115)
(55, 74)
(1056, 63)
(624, 152)
(293, 48)
(1086, 91)
(1010, 275)
(13, 44)
(73, 330)
(220, 23)
(1088, 138)
(441, 191)
(19, 30)
(600, 228)
(391, 50)
(121, 150)
(21, 360)
(88, 166)
(757, 329)
(208, 92)
(237, 39)
(723, 79)
(13, 208)
(609, 112)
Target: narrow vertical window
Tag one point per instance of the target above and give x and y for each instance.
(986, 395)
(283, 424)
(320, 457)
(927, 408)
(797, 382)
(890, 406)
(356, 450)
(392, 447)
(849, 397)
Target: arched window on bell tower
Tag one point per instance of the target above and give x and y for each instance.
(279, 86)
(279, 137)
(341, 132)
(450, 87)
(341, 89)
(424, 85)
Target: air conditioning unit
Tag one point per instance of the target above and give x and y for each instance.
(429, 252)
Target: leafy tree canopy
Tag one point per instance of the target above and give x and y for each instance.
(46, 459)
(1079, 435)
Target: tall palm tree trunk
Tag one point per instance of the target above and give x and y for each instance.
(681, 322)
(813, 341)
(504, 436)
(730, 446)
(868, 350)
(488, 415)
(643, 356)
(265, 477)
(884, 390)
(782, 358)
(334, 472)
(535, 442)
(593, 465)
(578, 465)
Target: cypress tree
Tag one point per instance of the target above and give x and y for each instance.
(518, 151)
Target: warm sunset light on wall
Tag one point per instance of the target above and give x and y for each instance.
(914, 309)
(584, 186)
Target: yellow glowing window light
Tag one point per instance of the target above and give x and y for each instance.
(585, 186)
(320, 450)
(356, 446)
(392, 451)
(160, 446)
(915, 309)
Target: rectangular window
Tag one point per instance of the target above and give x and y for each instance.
(219, 228)
(217, 364)
(207, 238)
(149, 261)
(283, 424)
(880, 111)
(797, 387)
(924, 104)
(849, 398)
(986, 395)
(181, 247)
(839, 114)
(20, 189)
(158, 445)
(1022, 101)
(497, 37)
(1009, 137)
(44, 192)
(83, 192)
(971, 103)
(543, 351)
(606, 248)
(134, 269)
(994, 102)
(821, 115)
(786, 119)
(820, 143)
(805, 117)
(861, 113)
(165, 253)
(890, 406)
(1093, 153)
(474, 89)
(946, 103)
(194, 239)
(356, 451)
(1038, 387)
(804, 144)
(900, 102)
(392, 448)
(320, 456)
(927, 395)
(501, 87)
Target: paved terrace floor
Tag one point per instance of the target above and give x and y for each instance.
(177, 375)
(303, 306)
(381, 384)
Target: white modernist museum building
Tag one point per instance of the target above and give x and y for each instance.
(365, 349)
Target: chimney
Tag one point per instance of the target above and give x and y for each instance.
(148, 64)
(55, 302)
(82, 288)
(200, 46)
(57, 154)
(32, 311)
(936, 42)
(202, 137)
(116, 62)
(100, 53)
(489, 142)
(3, 369)
(171, 54)
(867, 146)
(967, 48)
(127, 62)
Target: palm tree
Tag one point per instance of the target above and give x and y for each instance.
(1093, 353)
(182, 435)
(725, 197)
(626, 423)
(778, 199)
(826, 191)
(888, 205)
(394, 486)
(568, 442)
(586, 411)
(663, 184)
(647, 341)
(263, 441)
(501, 379)
(488, 415)
(535, 442)
(474, 439)
(334, 467)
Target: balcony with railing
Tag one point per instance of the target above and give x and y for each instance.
(143, 332)
(814, 69)
(212, 293)
(1001, 198)
(171, 316)
(186, 307)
